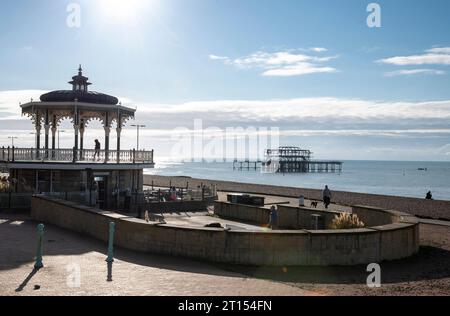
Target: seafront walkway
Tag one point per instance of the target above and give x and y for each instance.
(68, 255)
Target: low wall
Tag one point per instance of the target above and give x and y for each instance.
(279, 248)
(374, 216)
(247, 213)
(300, 217)
(178, 206)
(288, 217)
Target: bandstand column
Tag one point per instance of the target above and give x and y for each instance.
(38, 139)
(54, 130)
(82, 130)
(47, 133)
(119, 132)
(107, 133)
(77, 131)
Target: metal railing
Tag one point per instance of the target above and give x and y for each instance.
(13, 154)
(15, 201)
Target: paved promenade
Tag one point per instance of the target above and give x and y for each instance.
(133, 273)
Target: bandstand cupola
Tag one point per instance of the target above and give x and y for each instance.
(80, 82)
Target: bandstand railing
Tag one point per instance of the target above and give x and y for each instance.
(13, 154)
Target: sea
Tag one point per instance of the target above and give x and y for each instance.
(398, 178)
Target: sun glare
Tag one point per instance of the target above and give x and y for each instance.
(122, 10)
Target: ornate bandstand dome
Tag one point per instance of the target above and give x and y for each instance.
(79, 92)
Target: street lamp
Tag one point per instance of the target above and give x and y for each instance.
(60, 131)
(12, 139)
(138, 127)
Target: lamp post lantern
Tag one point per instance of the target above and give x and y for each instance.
(138, 127)
(12, 139)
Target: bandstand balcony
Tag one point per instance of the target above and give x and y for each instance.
(75, 156)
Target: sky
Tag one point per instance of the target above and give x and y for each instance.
(314, 71)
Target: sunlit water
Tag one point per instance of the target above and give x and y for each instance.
(377, 177)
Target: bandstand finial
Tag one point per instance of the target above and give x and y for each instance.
(80, 70)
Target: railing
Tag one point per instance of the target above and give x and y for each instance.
(13, 154)
(15, 201)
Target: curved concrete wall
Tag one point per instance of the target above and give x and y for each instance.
(280, 248)
(289, 217)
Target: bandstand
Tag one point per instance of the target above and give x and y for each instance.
(103, 178)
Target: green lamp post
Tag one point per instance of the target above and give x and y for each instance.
(40, 231)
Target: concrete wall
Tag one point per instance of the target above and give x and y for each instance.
(300, 217)
(252, 214)
(288, 217)
(372, 216)
(279, 248)
(178, 206)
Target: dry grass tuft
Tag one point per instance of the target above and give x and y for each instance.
(346, 221)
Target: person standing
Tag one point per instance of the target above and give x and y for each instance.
(273, 217)
(327, 196)
(97, 150)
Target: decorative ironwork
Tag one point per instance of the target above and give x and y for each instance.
(72, 155)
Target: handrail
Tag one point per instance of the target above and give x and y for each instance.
(13, 154)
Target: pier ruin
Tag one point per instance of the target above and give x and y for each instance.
(289, 159)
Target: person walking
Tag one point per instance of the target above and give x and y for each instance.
(97, 150)
(327, 196)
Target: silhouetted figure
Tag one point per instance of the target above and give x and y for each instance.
(429, 196)
(326, 196)
(273, 220)
(97, 149)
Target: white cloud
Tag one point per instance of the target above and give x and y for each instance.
(439, 50)
(318, 49)
(293, 109)
(433, 56)
(215, 57)
(320, 113)
(10, 100)
(281, 64)
(297, 70)
(426, 59)
(410, 72)
(445, 149)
